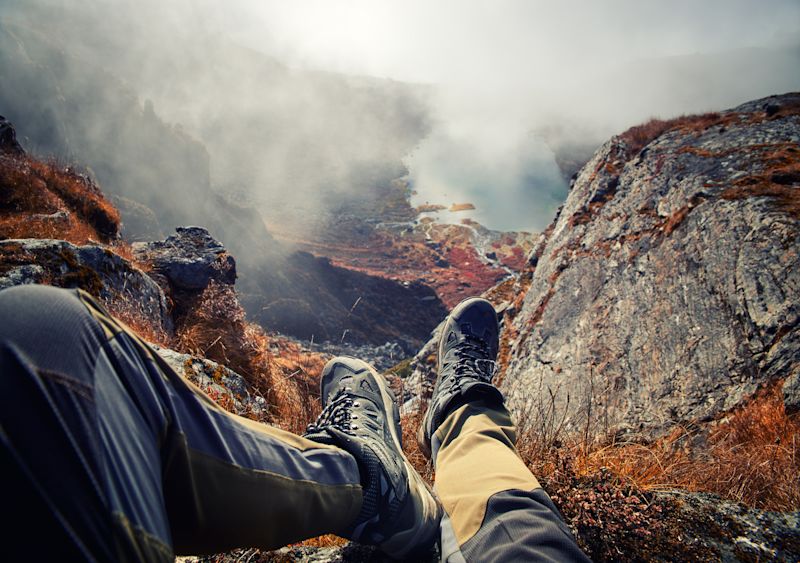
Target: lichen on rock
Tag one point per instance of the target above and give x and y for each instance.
(657, 299)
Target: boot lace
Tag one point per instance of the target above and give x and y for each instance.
(337, 413)
(472, 361)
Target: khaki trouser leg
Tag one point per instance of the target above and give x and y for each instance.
(496, 509)
(476, 459)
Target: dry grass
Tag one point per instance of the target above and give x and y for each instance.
(215, 328)
(750, 456)
(639, 136)
(778, 178)
(48, 200)
(410, 423)
(132, 317)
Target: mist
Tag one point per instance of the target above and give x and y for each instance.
(304, 108)
(515, 79)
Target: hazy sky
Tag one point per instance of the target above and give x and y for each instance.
(502, 71)
(505, 67)
(508, 43)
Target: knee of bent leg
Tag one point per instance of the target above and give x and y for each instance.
(48, 324)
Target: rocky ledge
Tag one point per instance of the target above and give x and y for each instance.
(124, 288)
(667, 290)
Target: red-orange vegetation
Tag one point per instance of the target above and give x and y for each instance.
(47, 200)
(467, 276)
(750, 455)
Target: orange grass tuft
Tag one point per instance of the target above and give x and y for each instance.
(749, 456)
(46, 200)
(639, 136)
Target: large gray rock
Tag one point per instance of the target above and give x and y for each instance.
(189, 259)
(668, 288)
(124, 288)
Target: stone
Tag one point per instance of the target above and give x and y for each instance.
(220, 383)
(667, 289)
(189, 259)
(122, 287)
(791, 393)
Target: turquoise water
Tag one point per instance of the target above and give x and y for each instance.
(514, 185)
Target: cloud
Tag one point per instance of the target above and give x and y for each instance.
(505, 68)
(501, 72)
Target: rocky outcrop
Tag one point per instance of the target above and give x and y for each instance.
(189, 259)
(667, 290)
(8, 138)
(124, 288)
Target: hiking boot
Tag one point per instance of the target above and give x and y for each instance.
(399, 513)
(467, 363)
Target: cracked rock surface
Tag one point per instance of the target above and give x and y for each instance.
(667, 290)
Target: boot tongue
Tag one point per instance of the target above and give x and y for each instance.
(334, 384)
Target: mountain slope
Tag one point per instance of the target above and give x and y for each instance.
(668, 288)
(78, 112)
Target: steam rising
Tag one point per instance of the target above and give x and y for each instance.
(475, 96)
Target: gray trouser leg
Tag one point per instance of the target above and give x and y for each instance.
(108, 454)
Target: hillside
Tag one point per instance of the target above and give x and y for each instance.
(650, 348)
(652, 343)
(249, 159)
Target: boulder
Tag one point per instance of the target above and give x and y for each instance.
(124, 288)
(667, 290)
(189, 259)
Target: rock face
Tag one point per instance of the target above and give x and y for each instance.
(668, 287)
(8, 138)
(92, 268)
(189, 259)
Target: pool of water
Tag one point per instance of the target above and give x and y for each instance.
(514, 184)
